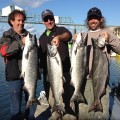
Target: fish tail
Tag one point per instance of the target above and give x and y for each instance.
(59, 108)
(96, 107)
(100, 107)
(91, 108)
(79, 98)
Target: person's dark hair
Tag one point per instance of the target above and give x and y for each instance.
(12, 15)
(95, 13)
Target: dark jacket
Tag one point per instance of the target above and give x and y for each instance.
(11, 50)
(62, 48)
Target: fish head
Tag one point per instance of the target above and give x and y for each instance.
(94, 42)
(78, 38)
(52, 50)
(30, 41)
(101, 42)
(79, 41)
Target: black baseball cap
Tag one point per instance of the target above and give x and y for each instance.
(46, 12)
(94, 13)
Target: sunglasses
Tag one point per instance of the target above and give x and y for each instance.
(51, 18)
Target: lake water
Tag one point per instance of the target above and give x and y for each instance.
(4, 97)
(114, 71)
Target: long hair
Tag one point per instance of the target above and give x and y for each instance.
(102, 23)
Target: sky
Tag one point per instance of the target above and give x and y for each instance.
(76, 10)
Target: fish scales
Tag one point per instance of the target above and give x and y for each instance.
(55, 76)
(78, 64)
(30, 69)
(99, 76)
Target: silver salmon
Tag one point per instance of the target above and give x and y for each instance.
(30, 69)
(55, 76)
(99, 75)
(78, 64)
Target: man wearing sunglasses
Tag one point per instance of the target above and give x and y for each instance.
(59, 36)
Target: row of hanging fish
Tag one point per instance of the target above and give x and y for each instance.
(78, 69)
(99, 73)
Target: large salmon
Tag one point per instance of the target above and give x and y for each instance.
(78, 64)
(99, 75)
(55, 76)
(30, 69)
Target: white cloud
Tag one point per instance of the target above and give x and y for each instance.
(33, 4)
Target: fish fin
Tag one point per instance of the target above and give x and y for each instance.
(91, 108)
(71, 83)
(96, 107)
(60, 109)
(75, 51)
(26, 52)
(57, 60)
(24, 88)
(34, 101)
(53, 108)
(37, 101)
(29, 103)
(63, 78)
(70, 69)
(22, 75)
(78, 98)
(72, 105)
(99, 107)
(26, 55)
(103, 92)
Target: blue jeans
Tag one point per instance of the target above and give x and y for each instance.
(16, 90)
